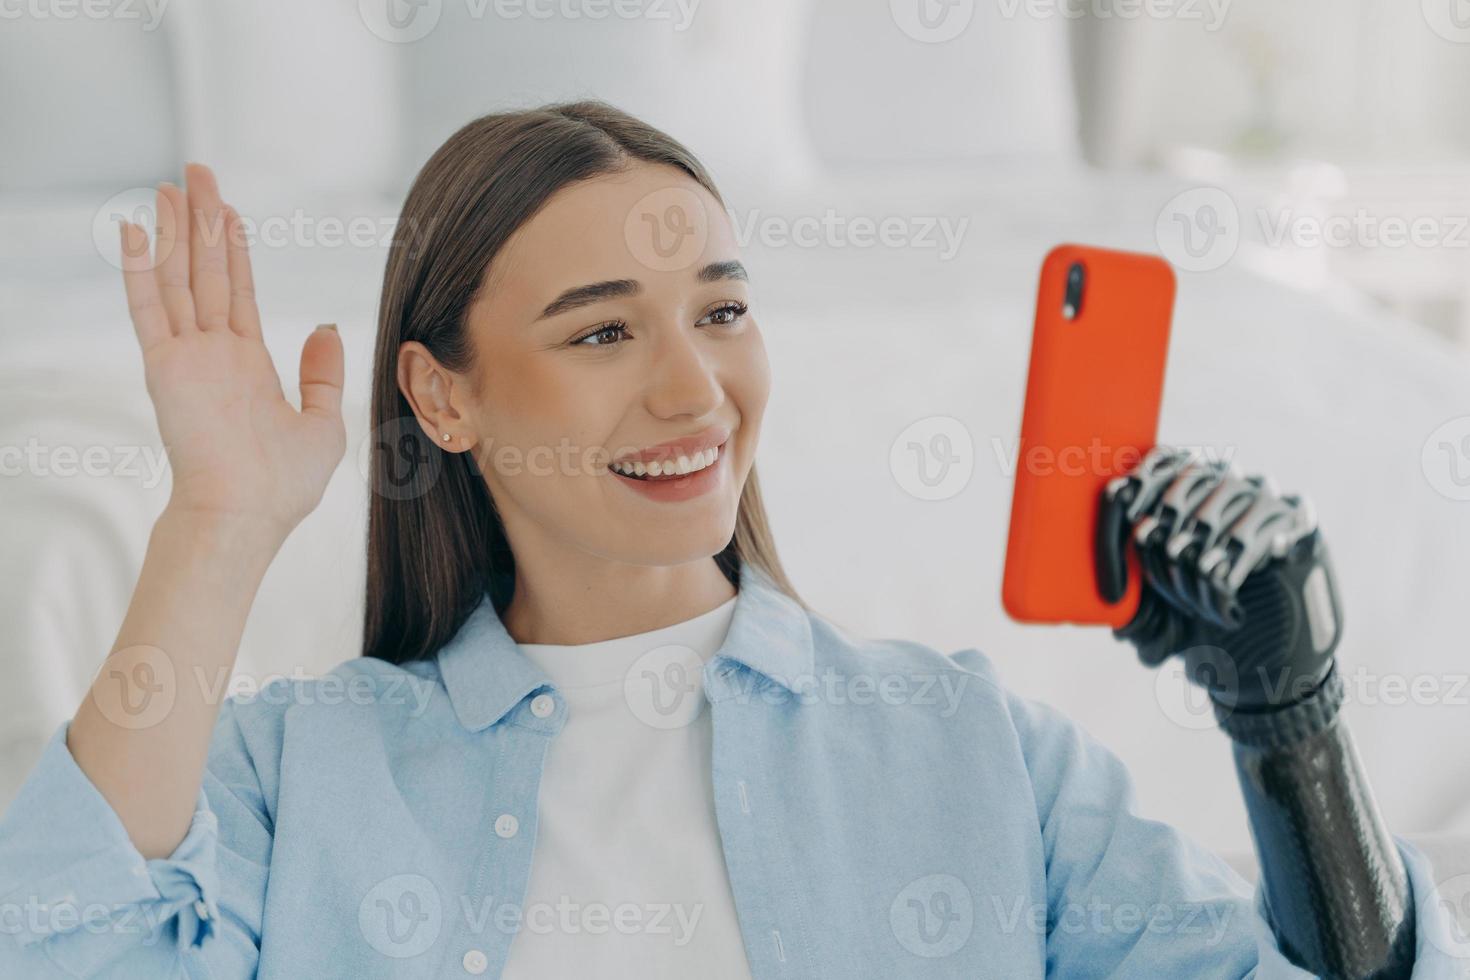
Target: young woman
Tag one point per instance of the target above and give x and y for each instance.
(594, 732)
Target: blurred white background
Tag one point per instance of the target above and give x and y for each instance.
(1303, 165)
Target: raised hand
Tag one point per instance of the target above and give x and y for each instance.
(1237, 579)
(238, 450)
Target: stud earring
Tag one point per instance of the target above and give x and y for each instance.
(446, 437)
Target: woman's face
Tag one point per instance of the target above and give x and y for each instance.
(615, 320)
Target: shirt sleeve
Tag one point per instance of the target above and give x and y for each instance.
(1133, 897)
(77, 898)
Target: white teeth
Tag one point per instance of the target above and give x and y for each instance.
(681, 467)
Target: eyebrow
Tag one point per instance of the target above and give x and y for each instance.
(579, 296)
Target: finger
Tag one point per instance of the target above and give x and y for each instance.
(171, 263)
(1148, 538)
(145, 306)
(1110, 547)
(1149, 631)
(321, 373)
(1155, 631)
(209, 274)
(244, 314)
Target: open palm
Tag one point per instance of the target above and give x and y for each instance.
(236, 447)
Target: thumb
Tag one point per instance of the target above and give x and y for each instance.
(321, 373)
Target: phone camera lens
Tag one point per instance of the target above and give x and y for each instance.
(1072, 299)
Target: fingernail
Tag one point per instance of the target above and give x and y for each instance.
(326, 326)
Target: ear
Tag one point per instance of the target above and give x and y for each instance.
(431, 390)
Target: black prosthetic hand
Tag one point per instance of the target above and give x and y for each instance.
(1237, 582)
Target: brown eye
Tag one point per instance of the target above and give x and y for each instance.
(615, 327)
(727, 315)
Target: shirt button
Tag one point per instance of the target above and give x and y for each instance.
(475, 962)
(506, 825)
(542, 705)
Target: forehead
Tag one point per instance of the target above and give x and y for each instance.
(652, 223)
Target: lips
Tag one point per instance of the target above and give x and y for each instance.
(678, 488)
(698, 465)
(687, 446)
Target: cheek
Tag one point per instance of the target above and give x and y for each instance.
(525, 400)
(750, 377)
(553, 421)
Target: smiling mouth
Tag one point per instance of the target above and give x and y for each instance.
(674, 469)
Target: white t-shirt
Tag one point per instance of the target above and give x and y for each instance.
(628, 874)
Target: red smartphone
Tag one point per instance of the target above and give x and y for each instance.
(1096, 379)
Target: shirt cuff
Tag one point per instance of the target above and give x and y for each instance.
(72, 874)
(1441, 949)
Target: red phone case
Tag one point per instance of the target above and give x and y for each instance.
(1092, 409)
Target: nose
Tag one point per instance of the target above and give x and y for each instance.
(683, 379)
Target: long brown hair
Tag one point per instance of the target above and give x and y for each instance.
(435, 542)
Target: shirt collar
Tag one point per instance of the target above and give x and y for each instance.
(487, 675)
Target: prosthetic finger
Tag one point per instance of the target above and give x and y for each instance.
(1189, 488)
(1202, 531)
(1126, 499)
(1269, 528)
(1190, 491)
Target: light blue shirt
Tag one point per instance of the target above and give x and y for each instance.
(885, 810)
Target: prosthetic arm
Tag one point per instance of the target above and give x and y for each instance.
(1238, 583)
